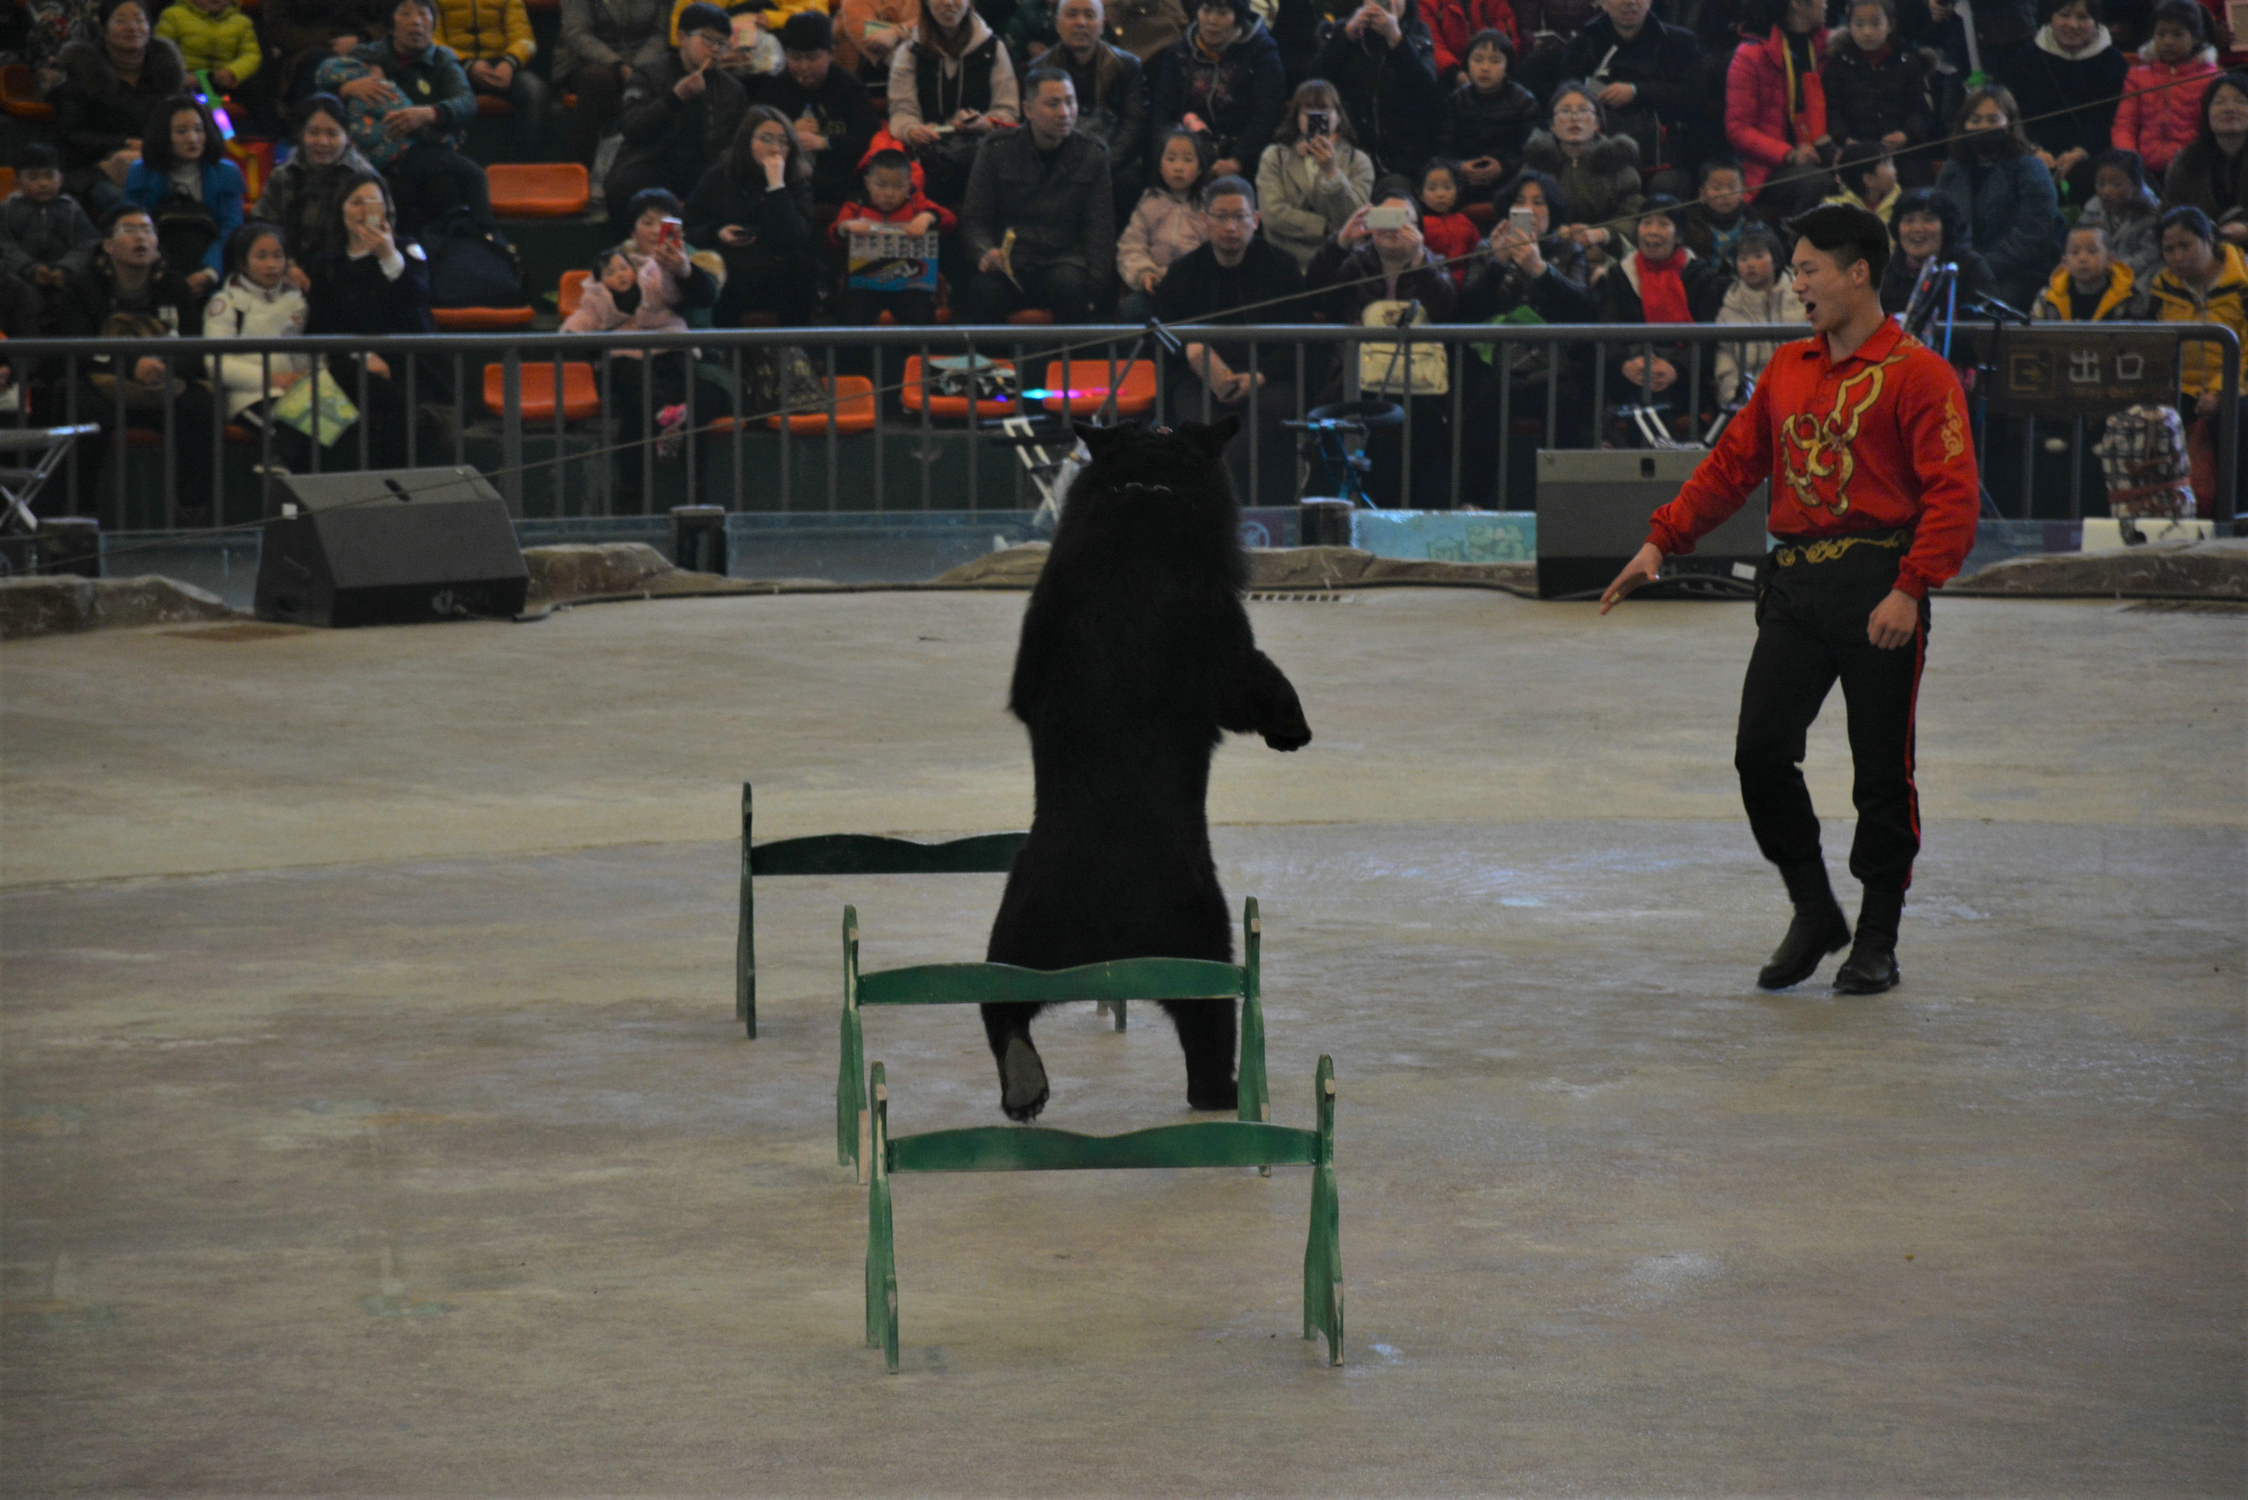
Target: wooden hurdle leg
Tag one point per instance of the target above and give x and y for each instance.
(850, 1098)
(1323, 1249)
(745, 938)
(881, 1247)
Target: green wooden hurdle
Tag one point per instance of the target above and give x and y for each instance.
(1021, 1148)
(1113, 983)
(848, 854)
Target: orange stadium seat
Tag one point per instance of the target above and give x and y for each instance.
(1081, 388)
(7, 181)
(955, 407)
(481, 319)
(854, 409)
(572, 291)
(539, 190)
(1031, 317)
(493, 104)
(581, 398)
(19, 93)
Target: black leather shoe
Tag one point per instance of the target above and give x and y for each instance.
(1810, 938)
(1870, 969)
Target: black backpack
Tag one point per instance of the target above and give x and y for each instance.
(471, 265)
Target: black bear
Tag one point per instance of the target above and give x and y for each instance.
(1136, 653)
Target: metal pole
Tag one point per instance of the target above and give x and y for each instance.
(511, 428)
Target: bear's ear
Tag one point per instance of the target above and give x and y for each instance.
(1097, 439)
(1219, 433)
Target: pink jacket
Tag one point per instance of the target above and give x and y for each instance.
(2160, 124)
(1756, 106)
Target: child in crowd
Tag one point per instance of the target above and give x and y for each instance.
(2090, 285)
(1450, 235)
(40, 224)
(1759, 294)
(1866, 176)
(364, 116)
(892, 200)
(1718, 216)
(214, 37)
(258, 301)
(644, 296)
(2124, 208)
(1166, 224)
(1876, 90)
(1488, 118)
(2161, 110)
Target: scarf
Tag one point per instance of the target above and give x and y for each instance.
(1662, 290)
(1806, 93)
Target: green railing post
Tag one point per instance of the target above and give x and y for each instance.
(1255, 1095)
(745, 937)
(1323, 1248)
(881, 1244)
(850, 1106)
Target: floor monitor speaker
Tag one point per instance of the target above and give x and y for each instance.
(1593, 506)
(390, 547)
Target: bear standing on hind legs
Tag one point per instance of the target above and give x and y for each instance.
(1136, 655)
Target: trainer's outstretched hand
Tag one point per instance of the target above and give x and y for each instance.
(1894, 620)
(1644, 568)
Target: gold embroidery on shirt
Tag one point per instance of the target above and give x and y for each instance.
(1955, 428)
(1820, 448)
(1832, 547)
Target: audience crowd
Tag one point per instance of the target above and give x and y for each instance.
(1622, 161)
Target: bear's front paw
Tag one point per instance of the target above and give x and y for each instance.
(1290, 736)
(1022, 1081)
(1212, 1093)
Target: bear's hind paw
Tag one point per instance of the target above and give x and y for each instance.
(1222, 1094)
(1022, 1081)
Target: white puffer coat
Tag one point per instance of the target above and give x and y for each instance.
(243, 310)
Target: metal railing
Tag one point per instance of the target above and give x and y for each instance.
(1558, 384)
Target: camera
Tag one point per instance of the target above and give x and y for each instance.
(1318, 122)
(1388, 218)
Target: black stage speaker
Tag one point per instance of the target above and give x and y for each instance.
(1593, 506)
(390, 547)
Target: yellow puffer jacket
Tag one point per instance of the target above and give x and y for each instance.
(2225, 302)
(208, 43)
(486, 30)
(768, 19)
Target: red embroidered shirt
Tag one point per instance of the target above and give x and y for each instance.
(1876, 442)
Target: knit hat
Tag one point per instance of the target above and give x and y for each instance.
(808, 31)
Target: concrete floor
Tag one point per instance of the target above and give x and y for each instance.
(376, 1122)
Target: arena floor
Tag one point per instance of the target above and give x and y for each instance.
(376, 1121)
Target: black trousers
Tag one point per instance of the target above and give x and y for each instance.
(989, 297)
(1811, 632)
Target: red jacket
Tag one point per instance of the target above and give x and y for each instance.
(1757, 123)
(1452, 22)
(919, 203)
(2160, 114)
(1876, 442)
(1449, 236)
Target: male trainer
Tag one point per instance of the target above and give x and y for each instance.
(1863, 432)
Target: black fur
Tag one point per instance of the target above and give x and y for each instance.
(1136, 655)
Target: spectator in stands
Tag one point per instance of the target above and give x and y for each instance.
(867, 32)
(1047, 186)
(1649, 75)
(1147, 28)
(1166, 224)
(121, 288)
(1929, 229)
(2013, 214)
(306, 33)
(192, 192)
(835, 116)
(1718, 216)
(2001, 27)
(2067, 83)
(1775, 106)
(41, 226)
(1451, 235)
(1457, 25)
(1382, 62)
(1223, 79)
(1236, 277)
(1598, 173)
(2090, 285)
(1312, 177)
(1759, 294)
(680, 113)
(373, 287)
(2203, 280)
(604, 42)
(2163, 91)
(259, 301)
(1489, 117)
(431, 180)
(755, 205)
(644, 296)
(1111, 93)
(889, 201)
(305, 193)
(2124, 207)
(103, 102)
(1542, 28)
(22, 316)
(950, 87)
(2212, 173)
(1538, 195)
(1866, 177)
(215, 37)
(1876, 91)
(1660, 281)
(494, 44)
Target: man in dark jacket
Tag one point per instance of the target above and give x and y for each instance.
(1231, 278)
(1047, 186)
(1223, 80)
(834, 114)
(679, 114)
(121, 288)
(1111, 95)
(1649, 77)
(432, 178)
(1382, 61)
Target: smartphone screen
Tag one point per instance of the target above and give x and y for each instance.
(1387, 218)
(1524, 221)
(674, 233)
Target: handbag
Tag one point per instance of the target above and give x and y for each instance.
(1398, 367)
(294, 408)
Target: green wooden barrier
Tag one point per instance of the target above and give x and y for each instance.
(1020, 1148)
(849, 854)
(1113, 984)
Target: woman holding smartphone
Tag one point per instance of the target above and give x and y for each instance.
(1312, 177)
(373, 287)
